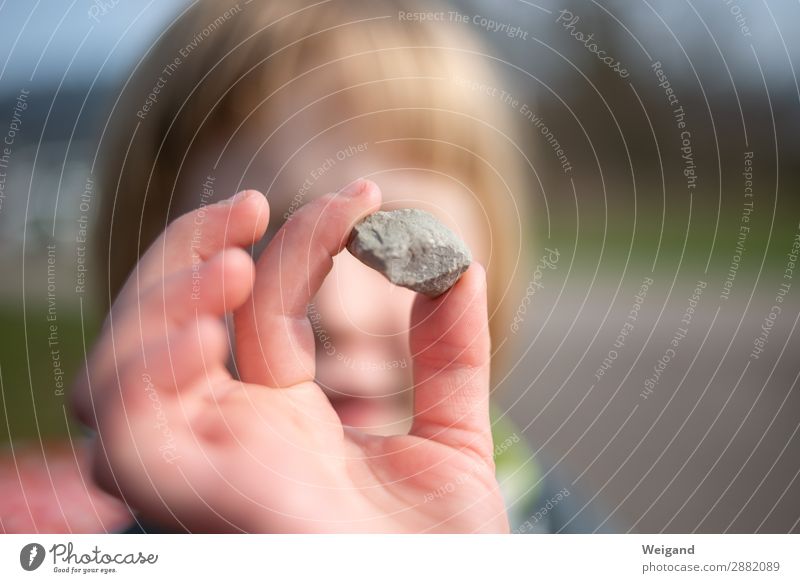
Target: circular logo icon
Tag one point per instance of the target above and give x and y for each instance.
(31, 556)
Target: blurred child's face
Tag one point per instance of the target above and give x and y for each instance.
(360, 320)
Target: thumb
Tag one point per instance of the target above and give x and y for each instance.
(450, 348)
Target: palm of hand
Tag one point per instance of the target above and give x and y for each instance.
(199, 450)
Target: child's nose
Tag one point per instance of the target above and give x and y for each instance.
(357, 300)
(360, 322)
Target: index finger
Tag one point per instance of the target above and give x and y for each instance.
(198, 235)
(274, 337)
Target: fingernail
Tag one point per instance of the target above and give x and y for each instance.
(353, 189)
(236, 198)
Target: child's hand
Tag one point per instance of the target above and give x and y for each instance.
(188, 445)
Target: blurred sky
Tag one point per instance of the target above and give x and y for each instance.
(43, 41)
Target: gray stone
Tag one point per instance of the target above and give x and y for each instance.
(412, 249)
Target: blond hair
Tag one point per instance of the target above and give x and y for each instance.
(410, 83)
